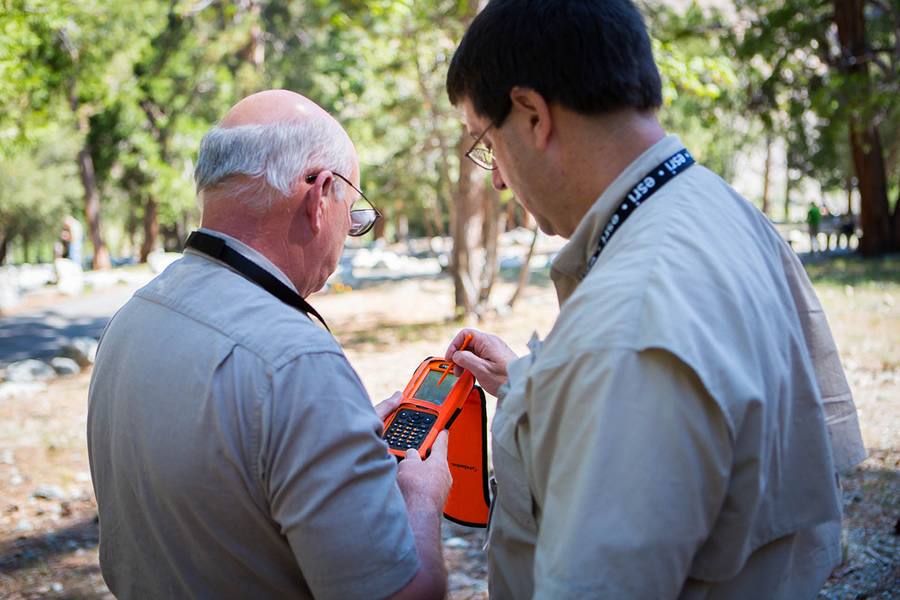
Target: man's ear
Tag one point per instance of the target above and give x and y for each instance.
(315, 205)
(532, 106)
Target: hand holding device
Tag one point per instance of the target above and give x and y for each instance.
(384, 408)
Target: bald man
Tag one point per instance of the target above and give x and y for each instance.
(235, 452)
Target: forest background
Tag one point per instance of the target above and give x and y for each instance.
(103, 105)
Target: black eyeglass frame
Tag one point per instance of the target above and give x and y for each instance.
(367, 225)
(483, 157)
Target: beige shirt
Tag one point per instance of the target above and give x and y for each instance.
(668, 438)
(235, 451)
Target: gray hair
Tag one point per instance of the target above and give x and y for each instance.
(273, 156)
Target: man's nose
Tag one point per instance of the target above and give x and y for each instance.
(497, 180)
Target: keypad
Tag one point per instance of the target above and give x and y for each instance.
(408, 429)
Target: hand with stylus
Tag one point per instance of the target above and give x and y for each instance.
(485, 355)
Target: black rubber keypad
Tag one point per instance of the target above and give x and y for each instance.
(408, 429)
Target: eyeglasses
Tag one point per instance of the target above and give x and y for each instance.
(361, 219)
(481, 156)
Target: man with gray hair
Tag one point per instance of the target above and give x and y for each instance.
(234, 450)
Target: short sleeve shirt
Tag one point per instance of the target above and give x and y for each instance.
(676, 434)
(235, 451)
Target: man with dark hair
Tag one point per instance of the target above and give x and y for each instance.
(678, 432)
(234, 450)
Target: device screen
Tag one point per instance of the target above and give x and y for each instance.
(430, 392)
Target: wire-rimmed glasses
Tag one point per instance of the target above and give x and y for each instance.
(361, 219)
(480, 155)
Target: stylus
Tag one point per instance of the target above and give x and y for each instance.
(450, 364)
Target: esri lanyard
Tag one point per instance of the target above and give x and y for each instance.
(217, 248)
(659, 176)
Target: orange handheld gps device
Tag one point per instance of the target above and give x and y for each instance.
(431, 401)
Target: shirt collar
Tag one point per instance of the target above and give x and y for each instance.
(571, 262)
(249, 253)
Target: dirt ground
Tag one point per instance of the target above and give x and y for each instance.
(48, 524)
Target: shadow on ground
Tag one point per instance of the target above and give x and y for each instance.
(32, 551)
(43, 336)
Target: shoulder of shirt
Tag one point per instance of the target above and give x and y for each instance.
(217, 299)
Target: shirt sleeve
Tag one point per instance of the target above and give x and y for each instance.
(332, 484)
(630, 466)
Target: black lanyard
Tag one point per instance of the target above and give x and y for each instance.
(658, 176)
(217, 248)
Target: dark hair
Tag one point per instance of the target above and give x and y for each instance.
(591, 56)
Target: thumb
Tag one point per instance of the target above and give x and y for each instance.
(440, 445)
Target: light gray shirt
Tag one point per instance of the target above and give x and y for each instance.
(235, 452)
(668, 439)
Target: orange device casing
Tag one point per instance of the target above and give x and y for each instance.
(426, 408)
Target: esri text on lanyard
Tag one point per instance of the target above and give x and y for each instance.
(658, 176)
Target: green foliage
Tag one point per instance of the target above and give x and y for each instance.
(39, 186)
(152, 76)
(701, 85)
(31, 61)
(379, 67)
(801, 87)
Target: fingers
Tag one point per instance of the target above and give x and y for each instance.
(384, 408)
(467, 361)
(458, 341)
(440, 445)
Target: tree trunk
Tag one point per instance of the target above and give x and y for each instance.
(257, 48)
(466, 211)
(490, 232)
(4, 244)
(865, 143)
(766, 177)
(151, 228)
(874, 216)
(378, 229)
(437, 219)
(466, 227)
(895, 225)
(787, 195)
(131, 224)
(524, 271)
(91, 194)
(427, 223)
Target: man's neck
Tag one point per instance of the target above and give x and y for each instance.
(265, 233)
(601, 148)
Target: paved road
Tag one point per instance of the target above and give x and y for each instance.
(42, 332)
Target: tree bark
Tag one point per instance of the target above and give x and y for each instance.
(865, 143)
(787, 195)
(151, 228)
(466, 227)
(767, 176)
(490, 232)
(466, 212)
(5, 236)
(89, 183)
(92, 208)
(524, 271)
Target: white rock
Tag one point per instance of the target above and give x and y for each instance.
(29, 370)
